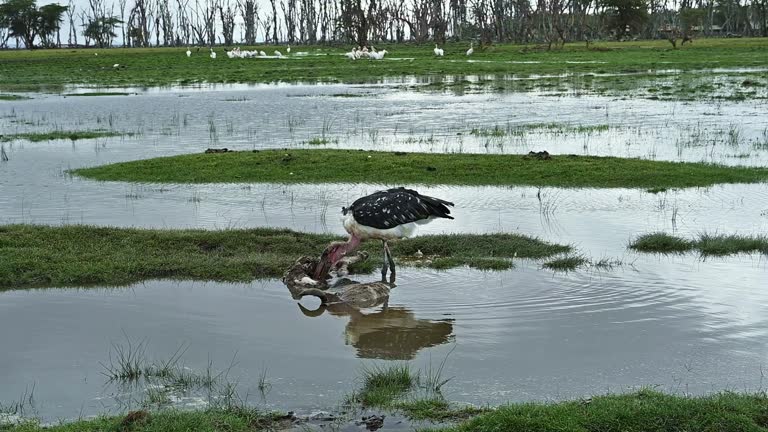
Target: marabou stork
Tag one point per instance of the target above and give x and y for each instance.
(384, 215)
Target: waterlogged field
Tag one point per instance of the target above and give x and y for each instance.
(664, 280)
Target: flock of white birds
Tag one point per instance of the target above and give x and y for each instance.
(357, 53)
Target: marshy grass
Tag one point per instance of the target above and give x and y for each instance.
(523, 129)
(383, 384)
(706, 244)
(494, 132)
(413, 392)
(354, 166)
(78, 255)
(566, 263)
(62, 135)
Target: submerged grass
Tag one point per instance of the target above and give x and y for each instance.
(61, 135)
(301, 166)
(567, 263)
(706, 244)
(522, 129)
(77, 255)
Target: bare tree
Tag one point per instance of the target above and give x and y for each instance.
(122, 4)
(249, 10)
(71, 13)
(227, 15)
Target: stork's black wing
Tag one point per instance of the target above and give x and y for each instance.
(393, 207)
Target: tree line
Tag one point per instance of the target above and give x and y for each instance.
(144, 23)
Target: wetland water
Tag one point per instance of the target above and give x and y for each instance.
(680, 322)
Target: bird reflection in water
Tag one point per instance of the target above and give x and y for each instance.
(374, 328)
(390, 333)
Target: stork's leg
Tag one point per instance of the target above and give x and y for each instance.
(386, 263)
(391, 263)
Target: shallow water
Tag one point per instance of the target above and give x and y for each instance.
(686, 324)
(518, 335)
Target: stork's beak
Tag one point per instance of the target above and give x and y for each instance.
(323, 267)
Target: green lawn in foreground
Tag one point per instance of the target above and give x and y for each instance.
(331, 166)
(76, 255)
(643, 411)
(20, 70)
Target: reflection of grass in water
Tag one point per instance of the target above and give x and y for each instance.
(706, 244)
(98, 94)
(350, 95)
(61, 135)
(12, 97)
(87, 255)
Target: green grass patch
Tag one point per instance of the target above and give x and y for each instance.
(661, 243)
(12, 97)
(77, 255)
(382, 385)
(414, 393)
(354, 166)
(642, 411)
(211, 420)
(436, 409)
(706, 244)
(62, 135)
